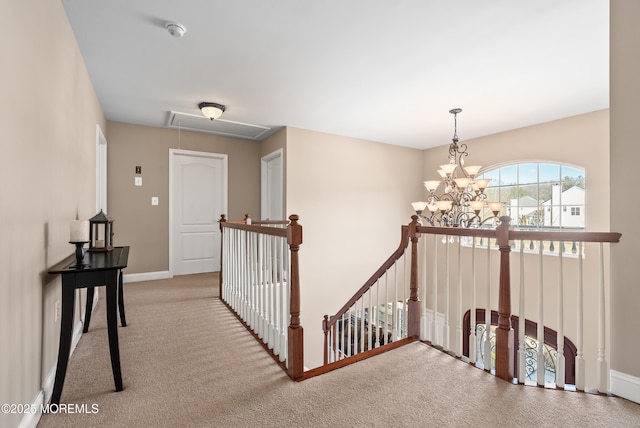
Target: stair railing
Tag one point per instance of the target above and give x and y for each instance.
(396, 305)
(260, 282)
(377, 316)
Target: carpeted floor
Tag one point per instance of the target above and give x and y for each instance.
(188, 362)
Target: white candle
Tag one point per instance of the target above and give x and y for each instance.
(79, 231)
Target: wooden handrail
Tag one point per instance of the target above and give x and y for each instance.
(404, 241)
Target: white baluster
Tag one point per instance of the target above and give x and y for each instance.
(445, 330)
(540, 332)
(435, 329)
(580, 381)
(487, 314)
(560, 360)
(425, 328)
(522, 353)
(386, 306)
(603, 370)
(394, 308)
(458, 345)
(472, 313)
(375, 315)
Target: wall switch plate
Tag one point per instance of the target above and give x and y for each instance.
(138, 181)
(138, 170)
(154, 200)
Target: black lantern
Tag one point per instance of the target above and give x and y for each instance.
(100, 232)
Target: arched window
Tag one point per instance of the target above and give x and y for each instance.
(539, 195)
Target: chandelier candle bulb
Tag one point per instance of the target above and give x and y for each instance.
(444, 205)
(462, 182)
(448, 168)
(419, 206)
(472, 170)
(495, 207)
(482, 183)
(431, 185)
(476, 206)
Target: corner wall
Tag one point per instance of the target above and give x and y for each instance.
(352, 197)
(47, 179)
(625, 152)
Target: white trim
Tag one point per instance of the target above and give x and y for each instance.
(30, 420)
(146, 276)
(225, 191)
(264, 181)
(625, 386)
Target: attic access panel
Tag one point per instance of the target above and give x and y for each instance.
(197, 123)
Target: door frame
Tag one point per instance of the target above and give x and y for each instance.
(264, 182)
(225, 183)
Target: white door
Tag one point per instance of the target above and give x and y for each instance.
(272, 186)
(198, 195)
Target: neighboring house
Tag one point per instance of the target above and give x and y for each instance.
(564, 209)
(524, 209)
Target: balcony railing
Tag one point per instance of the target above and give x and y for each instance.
(259, 281)
(451, 272)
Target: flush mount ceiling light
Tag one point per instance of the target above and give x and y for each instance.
(175, 29)
(211, 110)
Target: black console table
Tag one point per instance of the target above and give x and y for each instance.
(103, 268)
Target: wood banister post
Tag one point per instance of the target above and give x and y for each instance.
(223, 219)
(413, 305)
(295, 359)
(504, 333)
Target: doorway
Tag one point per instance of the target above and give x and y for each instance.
(197, 197)
(272, 186)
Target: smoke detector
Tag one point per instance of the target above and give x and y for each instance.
(175, 29)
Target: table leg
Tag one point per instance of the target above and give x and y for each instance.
(123, 318)
(88, 309)
(112, 327)
(66, 329)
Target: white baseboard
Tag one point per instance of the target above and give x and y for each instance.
(30, 420)
(146, 276)
(625, 386)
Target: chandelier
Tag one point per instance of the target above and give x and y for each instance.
(462, 201)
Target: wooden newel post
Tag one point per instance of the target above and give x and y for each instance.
(223, 219)
(504, 332)
(413, 305)
(295, 361)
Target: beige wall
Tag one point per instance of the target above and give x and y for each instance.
(145, 227)
(352, 197)
(47, 174)
(625, 152)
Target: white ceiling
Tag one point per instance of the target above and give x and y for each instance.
(386, 71)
